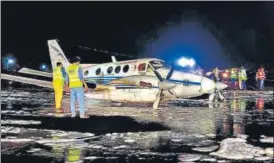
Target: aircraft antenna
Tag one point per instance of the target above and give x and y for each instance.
(105, 52)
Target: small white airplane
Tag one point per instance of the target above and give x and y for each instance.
(133, 81)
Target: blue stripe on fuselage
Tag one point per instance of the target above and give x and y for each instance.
(171, 80)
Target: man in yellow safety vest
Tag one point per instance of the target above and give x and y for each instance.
(59, 75)
(233, 77)
(76, 83)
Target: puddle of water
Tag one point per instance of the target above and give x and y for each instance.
(191, 132)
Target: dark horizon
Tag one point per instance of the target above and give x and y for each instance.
(242, 31)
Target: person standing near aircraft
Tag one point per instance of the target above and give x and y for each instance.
(233, 77)
(76, 82)
(216, 74)
(242, 78)
(260, 75)
(59, 75)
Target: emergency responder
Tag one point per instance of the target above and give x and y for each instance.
(216, 74)
(233, 77)
(242, 78)
(59, 75)
(76, 82)
(260, 75)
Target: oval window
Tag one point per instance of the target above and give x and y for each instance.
(117, 69)
(109, 70)
(98, 71)
(86, 73)
(126, 68)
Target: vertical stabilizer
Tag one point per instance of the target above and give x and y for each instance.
(56, 54)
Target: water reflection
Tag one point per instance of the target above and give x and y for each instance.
(260, 104)
(74, 154)
(187, 127)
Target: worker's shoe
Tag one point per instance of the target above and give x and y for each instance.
(83, 117)
(59, 110)
(73, 115)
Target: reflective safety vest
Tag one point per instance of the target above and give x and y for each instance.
(74, 80)
(260, 74)
(242, 74)
(58, 76)
(233, 74)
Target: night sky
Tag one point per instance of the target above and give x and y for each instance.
(214, 33)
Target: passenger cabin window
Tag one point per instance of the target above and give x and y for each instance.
(86, 73)
(98, 71)
(109, 70)
(156, 64)
(117, 69)
(126, 68)
(142, 67)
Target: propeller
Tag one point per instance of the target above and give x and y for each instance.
(164, 84)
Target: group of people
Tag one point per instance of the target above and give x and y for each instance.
(238, 77)
(72, 81)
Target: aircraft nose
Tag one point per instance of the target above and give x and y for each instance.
(207, 85)
(221, 86)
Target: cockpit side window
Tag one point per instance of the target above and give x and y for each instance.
(157, 64)
(142, 67)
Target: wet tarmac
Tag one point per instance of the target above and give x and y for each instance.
(238, 130)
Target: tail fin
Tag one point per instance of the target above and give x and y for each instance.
(56, 54)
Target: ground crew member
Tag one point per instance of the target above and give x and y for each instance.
(76, 82)
(242, 78)
(59, 75)
(216, 74)
(260, 75)
(233, 77)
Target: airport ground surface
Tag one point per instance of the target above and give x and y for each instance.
(240, 129)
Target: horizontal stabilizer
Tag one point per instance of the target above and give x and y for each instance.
(35, 72)
(31, 81)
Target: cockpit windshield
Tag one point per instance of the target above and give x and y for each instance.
(157, 64)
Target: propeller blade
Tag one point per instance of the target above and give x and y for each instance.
(170, 73)
(158, 75)
(157, 100)
(170, 92)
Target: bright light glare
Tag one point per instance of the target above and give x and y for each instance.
(186, 62)
(10, 61)
(43, 67)
(225, 75)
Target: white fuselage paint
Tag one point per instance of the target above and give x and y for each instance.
(127, 82)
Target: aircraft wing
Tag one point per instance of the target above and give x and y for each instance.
(31, 81)
(47, 84)
(35, 72)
